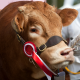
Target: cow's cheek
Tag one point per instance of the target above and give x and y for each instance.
(52, 59)
(52, 55)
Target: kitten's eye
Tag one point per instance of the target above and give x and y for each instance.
(33, 30)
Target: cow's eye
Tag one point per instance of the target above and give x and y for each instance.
(33, 30)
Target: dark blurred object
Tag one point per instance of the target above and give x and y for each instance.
(76, 1)
(57, 3)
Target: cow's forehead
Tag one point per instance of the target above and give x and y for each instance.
(44, 11)
(42, 6)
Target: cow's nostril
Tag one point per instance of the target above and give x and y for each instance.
(64, 54)
(66, 51)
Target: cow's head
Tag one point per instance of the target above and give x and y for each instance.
(37, 22)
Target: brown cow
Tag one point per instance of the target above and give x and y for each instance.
(36, 22)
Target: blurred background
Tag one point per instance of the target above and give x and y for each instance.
(59, 3)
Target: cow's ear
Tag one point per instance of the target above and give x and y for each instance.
(67, 16)
(18, 23)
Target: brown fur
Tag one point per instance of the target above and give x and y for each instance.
(14, 65)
